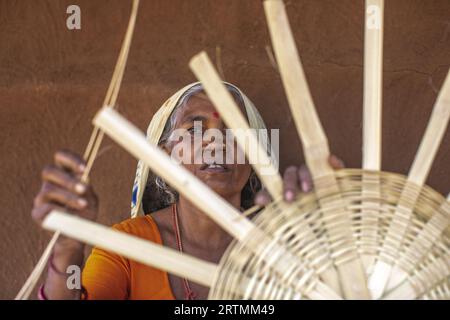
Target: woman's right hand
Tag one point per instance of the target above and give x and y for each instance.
(63, 189)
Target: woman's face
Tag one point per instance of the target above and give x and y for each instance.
(225, 178)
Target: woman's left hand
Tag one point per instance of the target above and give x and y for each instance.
(296, 179)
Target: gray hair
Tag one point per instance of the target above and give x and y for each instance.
(165, 195)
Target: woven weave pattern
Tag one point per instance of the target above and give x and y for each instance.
(303, 229)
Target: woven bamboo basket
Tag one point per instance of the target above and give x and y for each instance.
(422, 263)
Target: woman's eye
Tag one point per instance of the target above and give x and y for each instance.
(195, 129)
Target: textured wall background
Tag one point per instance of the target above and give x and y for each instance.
(53, 80)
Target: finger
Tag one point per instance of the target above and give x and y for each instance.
(290, 183)
(63, 179)
(262, 198)
(91, 196)
(40, 212)
(336, 163)
(70, 161)
(53, 193)
(306, 182)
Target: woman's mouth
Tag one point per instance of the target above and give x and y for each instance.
(214, 167)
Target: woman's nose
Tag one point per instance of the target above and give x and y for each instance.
(214, 141)
(215, 145)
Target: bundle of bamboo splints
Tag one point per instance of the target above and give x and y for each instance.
(361, 234)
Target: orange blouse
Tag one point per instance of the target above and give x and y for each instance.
(108, 276)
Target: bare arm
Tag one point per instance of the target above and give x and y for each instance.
(62, 189)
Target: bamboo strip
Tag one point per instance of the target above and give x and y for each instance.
(297, 91)
(137, 249)
(218, 209)
(373, 84)
(433, 136)
(113, 89)
(418, 173)
(373, 97)
(232, 116)
(258, 157)
(132, 247)
(91, 149)
(33, 278)
(315, 144)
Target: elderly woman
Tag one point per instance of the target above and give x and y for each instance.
(159, 214)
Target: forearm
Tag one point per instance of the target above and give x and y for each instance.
(56, 284)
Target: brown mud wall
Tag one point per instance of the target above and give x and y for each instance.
(53, 80)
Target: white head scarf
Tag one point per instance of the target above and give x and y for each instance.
(156, 128)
